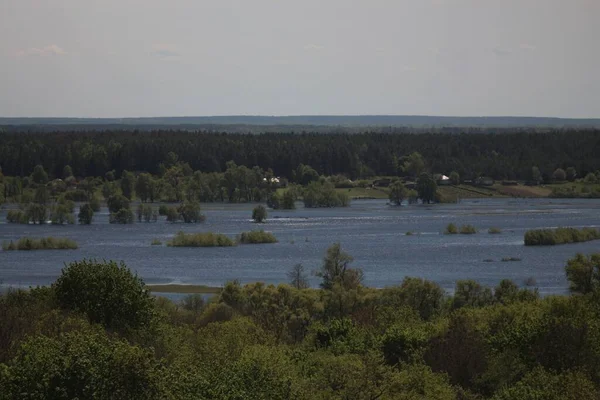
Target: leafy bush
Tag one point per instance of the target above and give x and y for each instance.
(156, 242)
(545, 237)
(451, 229)
(86, 214)
(146, 213)
(468, 230)
(17, 217)
(494, 230)
(207, 239)
(123, 216)
(255, 237)
(259, 214)
(49, 243)
(81, 365)
(106, 292)
(61, 214)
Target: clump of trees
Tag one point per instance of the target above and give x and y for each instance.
(207, 239)
(257, 237)
(323, 194)
(48, 243)
(545, 237)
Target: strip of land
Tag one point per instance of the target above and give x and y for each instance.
(176, 288)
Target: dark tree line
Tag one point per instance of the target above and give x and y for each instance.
(500, 156)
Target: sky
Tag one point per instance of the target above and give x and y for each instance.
(137, 58)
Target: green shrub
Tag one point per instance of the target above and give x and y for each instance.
(49, 243)
(468, 230)
(206, 239)
(17, 217)
(505, 259)
(548, 237)
(61, 214)
(494, 230)
(106, 292)
(451, 229)
(163, 209)
(123, 216)
(86, 214)
(156, 242)
(255, 237)
(146, 213)
(81, 365)
(259, 214)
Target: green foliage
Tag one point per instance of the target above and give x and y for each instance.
(467, 229)
(207, 239)
(469, 293)
(107, 293)
(397, 192)
(451, 229)
(298, 278)
(156, 242)
(117, 202)
(127, 184)
(259, 214)
(62, 214)
(36, 213)
(187, 212)
(454, 178)
(17, 217)
(571, 174)
(82, 365)
(494, 231)
(544, 237)
(583, 273)
(86, 214)
(318, 194)
(426, 188)
(190, 212)
(541, 384)
(288, 200)
(67, 172)
(39, 175)
(256, 237)
(95, 203)
(163, 209)
(424, 296)
(146, 213)
(336, 271)
(559, 175)
(123, 216)
(49, 243)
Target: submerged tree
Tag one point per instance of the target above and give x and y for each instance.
(86, 214)
(336, 270)
(397, 192)
(259, 214)
(426, 187)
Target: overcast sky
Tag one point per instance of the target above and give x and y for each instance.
(114, 58)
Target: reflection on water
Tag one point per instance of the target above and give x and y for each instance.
(371, 231)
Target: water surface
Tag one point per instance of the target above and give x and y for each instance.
(369, 230)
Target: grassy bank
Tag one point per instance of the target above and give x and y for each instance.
(207, 239)
(549, 237)
(257, 237)
(49, 243)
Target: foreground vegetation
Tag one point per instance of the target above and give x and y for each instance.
(49, 243)
(546, 237)
(98, 333)
(206, 239)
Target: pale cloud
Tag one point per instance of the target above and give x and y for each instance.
(50, 50)
(165, 51)
(313, 47)
(502, 51)
(527, 46)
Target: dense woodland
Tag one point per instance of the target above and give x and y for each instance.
(500, 156)
(98, 333)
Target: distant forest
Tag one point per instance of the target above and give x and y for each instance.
(500, 156)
